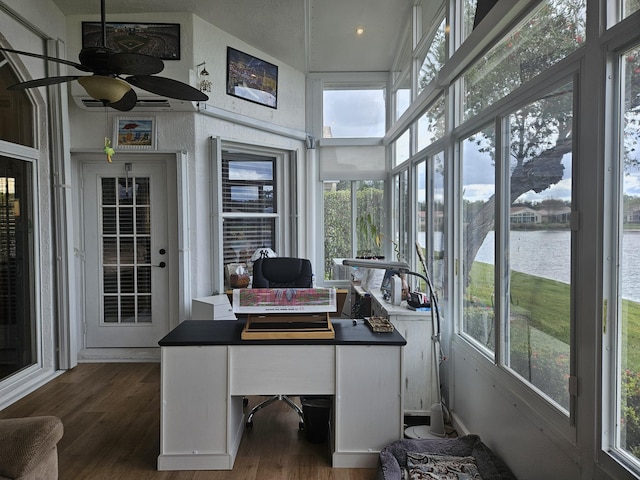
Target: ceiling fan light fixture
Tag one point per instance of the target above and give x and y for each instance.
(104, 89)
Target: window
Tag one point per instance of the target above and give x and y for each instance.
(353, 221)
(627, 378)
(469, 8)
(430, 217)
(437, 221)
(478, 237)
(402, 148)
(554, 30)
(401, 217)
(538, 249)
(435, 57)
(402, 97)
(353, 112)
(17, 312)
(431, 124)
(629, 7)
(338, 241)
(535, 242)
(249, 205)
(16, 111)
(401, 80)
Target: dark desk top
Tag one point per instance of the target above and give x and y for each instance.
(227, 332)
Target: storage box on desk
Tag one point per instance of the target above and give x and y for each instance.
(277, 313)
(292, 326)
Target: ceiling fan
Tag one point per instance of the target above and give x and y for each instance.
(106, 84)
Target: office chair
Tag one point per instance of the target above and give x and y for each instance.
(280, 272)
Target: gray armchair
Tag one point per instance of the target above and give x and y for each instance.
(29, 448)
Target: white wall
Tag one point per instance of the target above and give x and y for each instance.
(533, 445)
(190, 132)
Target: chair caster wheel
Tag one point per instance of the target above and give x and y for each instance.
(249, 425)
(245, 401)
(300, 425)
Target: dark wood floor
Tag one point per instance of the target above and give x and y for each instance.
(111, 417)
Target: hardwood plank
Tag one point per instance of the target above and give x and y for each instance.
(111, 417)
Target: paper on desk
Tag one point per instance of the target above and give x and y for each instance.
(283, 300)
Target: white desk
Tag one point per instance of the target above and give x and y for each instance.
(207, 369)
(420, 380)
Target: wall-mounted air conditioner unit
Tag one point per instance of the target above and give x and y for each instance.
(142, 105)
(147, 102)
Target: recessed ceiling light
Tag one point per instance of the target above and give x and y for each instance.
(359, 31)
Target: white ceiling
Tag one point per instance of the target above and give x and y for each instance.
(309, 35)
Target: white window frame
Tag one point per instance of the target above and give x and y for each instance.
(620, 37)
(286, 221)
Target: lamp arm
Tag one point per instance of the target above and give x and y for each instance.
(435, 309)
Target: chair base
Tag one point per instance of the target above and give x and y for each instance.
(268, 402)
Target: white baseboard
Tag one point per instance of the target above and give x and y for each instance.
(113, 355)
(24, 386)
(457, 424)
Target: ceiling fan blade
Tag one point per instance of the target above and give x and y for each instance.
(135, 64)
(42, 82)
(51, 59)
(126, 103)
(167, 87)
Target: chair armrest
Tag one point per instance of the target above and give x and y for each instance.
(26, 442)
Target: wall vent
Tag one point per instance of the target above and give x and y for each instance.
(143, 104)
(150, 103)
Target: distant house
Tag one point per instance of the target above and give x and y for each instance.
(632, 216)
(559, 214)
(524, 215)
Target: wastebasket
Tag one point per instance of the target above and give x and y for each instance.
(316, 410)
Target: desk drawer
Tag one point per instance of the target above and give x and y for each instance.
(282, 369)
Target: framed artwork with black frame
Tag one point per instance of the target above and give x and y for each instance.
(252, 79)
(161, 40)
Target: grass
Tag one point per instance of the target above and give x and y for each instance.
(546, 305)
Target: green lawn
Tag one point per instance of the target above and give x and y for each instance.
(545, 304)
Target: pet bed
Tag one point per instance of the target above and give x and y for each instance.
(393, 465)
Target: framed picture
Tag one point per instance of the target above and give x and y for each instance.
(160, 40)
(136, 133)
(251, 79)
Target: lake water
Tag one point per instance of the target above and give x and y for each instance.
(553, 261)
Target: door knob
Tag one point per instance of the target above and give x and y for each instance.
(162, 251)
(160, 265)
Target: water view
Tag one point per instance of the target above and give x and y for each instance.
(554, 264)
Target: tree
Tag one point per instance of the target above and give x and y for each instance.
(540, 134)
(338, 224)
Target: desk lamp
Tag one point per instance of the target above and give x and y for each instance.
(436, 427)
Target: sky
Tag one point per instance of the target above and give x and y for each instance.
(354, 113)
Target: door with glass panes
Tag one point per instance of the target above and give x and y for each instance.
(127, 274)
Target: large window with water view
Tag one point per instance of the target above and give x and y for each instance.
(538, 249)
(520, 266)
(478, 237)
(534, 294)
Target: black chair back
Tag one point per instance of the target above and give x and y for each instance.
(282, 272)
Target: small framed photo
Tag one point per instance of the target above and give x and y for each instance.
(160, 40)
(136, 133)
(252, 79)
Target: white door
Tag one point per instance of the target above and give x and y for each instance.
(126, 253)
